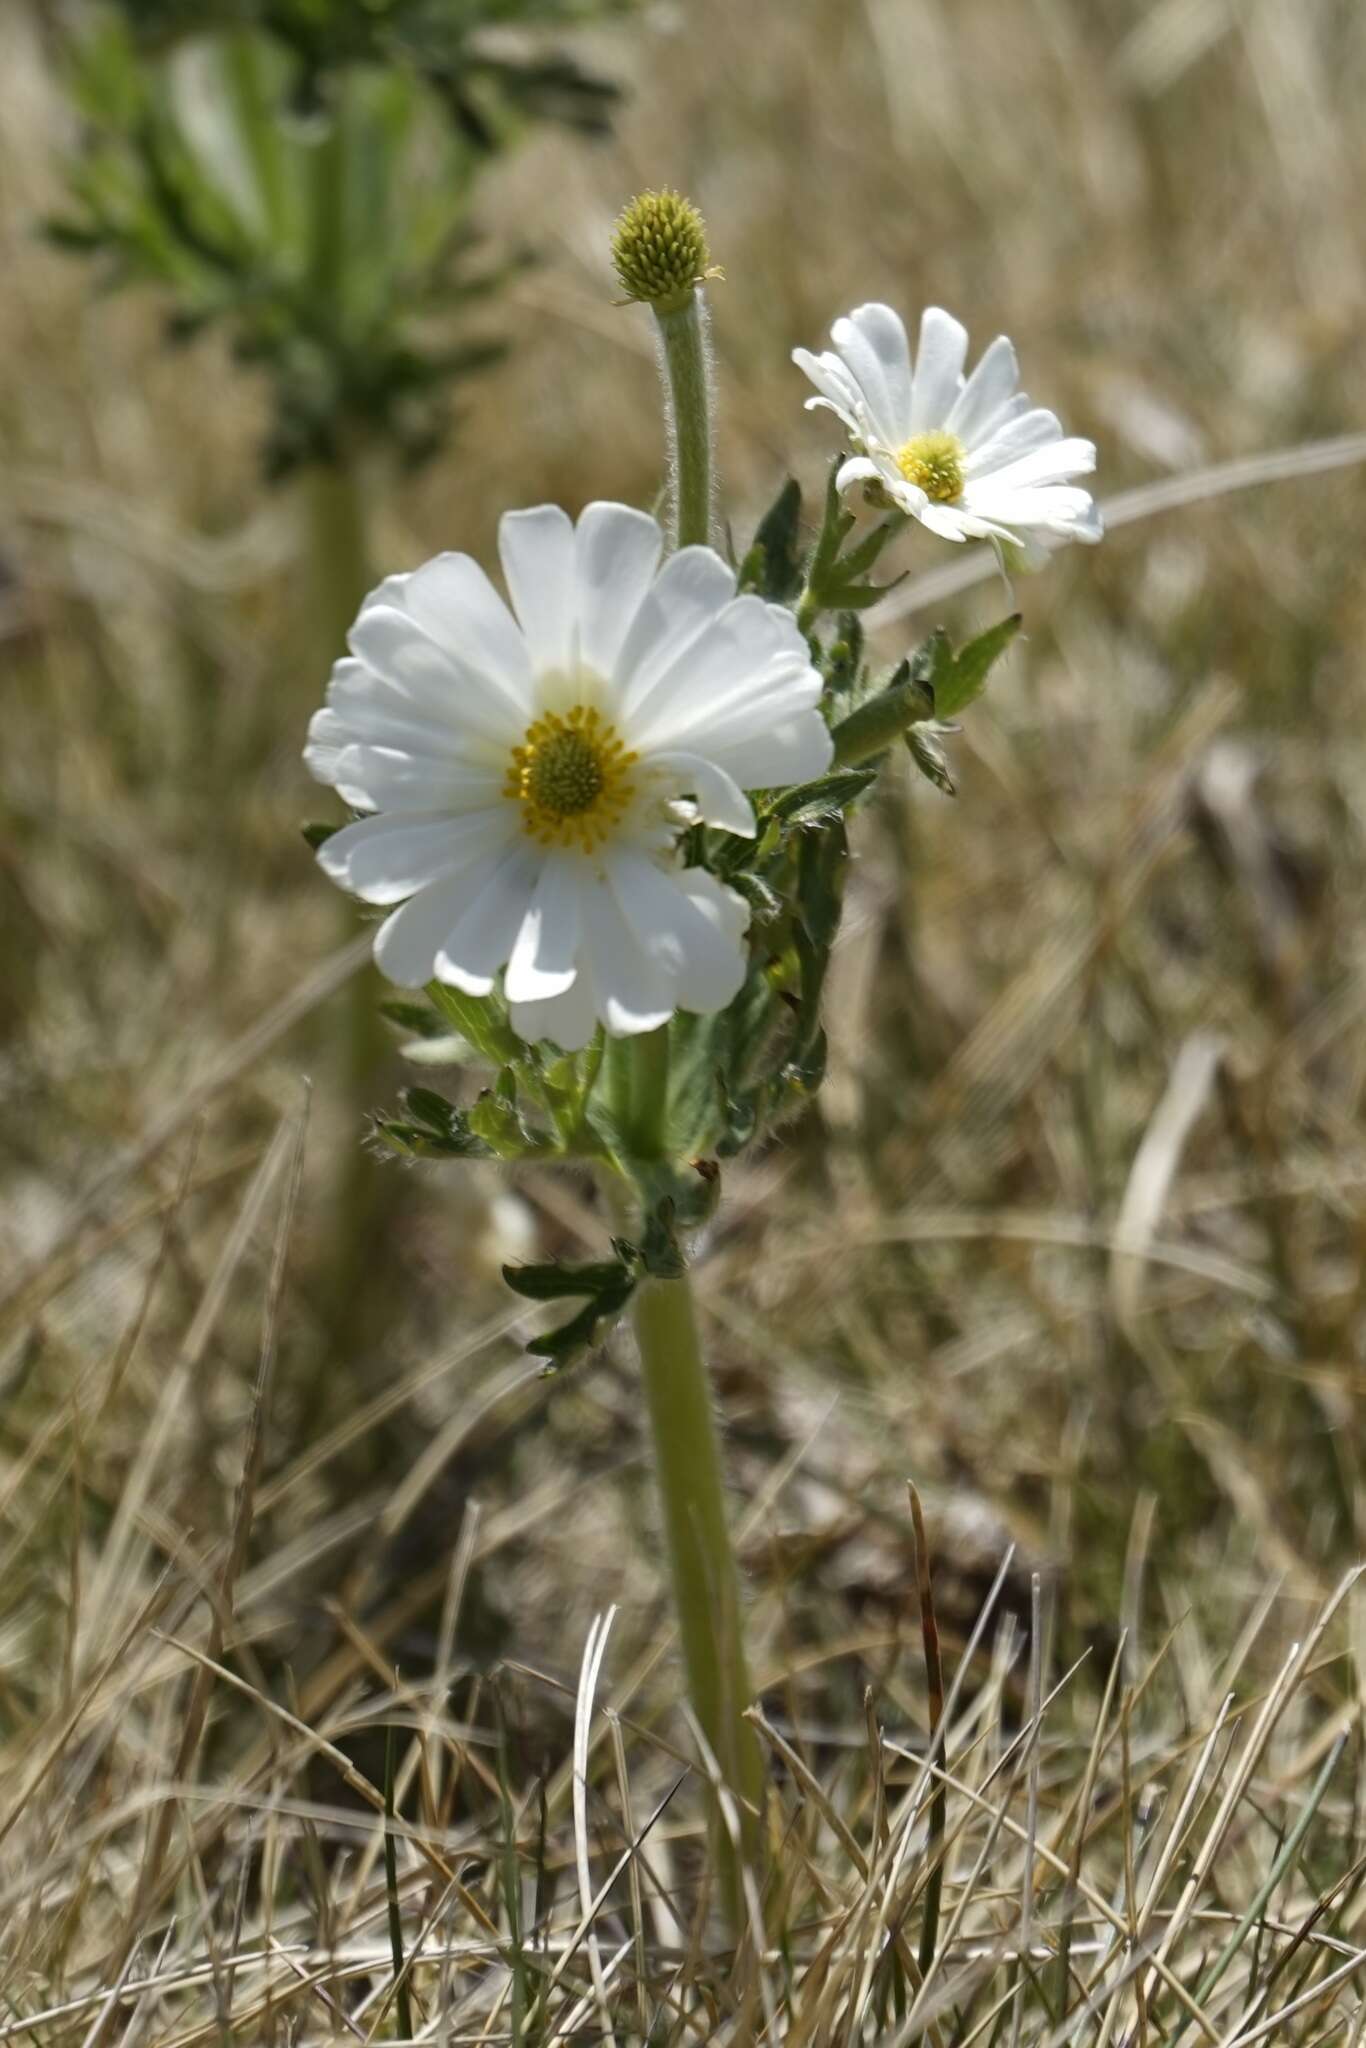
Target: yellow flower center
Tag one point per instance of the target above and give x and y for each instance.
(572, 778)
(934, 464)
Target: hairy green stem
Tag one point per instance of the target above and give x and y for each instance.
(687, 1454)
(706, 1585)
(687, 377)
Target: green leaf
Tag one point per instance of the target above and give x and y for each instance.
(957, 679)
(843, 661)
(559, 1282)
(414, 1017)
(431, 1128)
(829, 796)
(607, 1284)
(480, 1019)
(774, 563)
(496, 1119)
(762, 898)
(820, 883)
(317, 833)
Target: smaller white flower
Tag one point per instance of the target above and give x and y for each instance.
(969, 457)
(530, 770)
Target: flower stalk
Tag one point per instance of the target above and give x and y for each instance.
(661, 256)
(706, 1585)
(687, 377)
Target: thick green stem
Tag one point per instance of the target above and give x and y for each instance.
(687, 375)
(706, 1585)
(638, 1079)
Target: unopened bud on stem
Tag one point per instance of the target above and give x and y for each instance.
(659, 249)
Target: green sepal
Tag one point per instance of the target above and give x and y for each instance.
(837, 581)
(317, 833)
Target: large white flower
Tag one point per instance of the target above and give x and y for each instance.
(528, 774)
(971, 458)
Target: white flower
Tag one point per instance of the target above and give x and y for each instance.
(968, 457)
(526, 773)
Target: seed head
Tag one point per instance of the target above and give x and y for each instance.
(659, 248)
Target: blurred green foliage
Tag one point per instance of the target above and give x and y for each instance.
(304, 171)
(443, 40)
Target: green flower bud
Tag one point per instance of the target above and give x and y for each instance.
(659, 248)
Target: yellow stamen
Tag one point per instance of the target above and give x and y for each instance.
(571, 776)
(933, 462)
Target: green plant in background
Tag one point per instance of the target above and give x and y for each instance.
(609, 825)
(302, 174)
(485, 86)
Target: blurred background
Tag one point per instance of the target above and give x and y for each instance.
(1074, 1236)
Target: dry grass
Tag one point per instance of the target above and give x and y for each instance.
(1076, 1238)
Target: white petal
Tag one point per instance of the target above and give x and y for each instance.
(536, 548)
(1053, 463)
(389, 592)
(938, 369)
(720, 800)
(881, 468)
(378, 711)
(452, 599)
(689, 935)
(328, 737)
(862, 344)
(952, 522)
(383, 860)
(617, 553)
(790, 750)
(633, 994)
(407, 943)
(440, 685)
(725, 906)
(569, 1019)
(988, 389)
(863, 469)
(1061, 509)
(751, 655)
(544, 958)
(1013, 438)
(691, 590)
(392, 779)
(485, 931)
(885, 332)
(837, 387)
